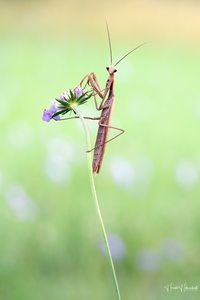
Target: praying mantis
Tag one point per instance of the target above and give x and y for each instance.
(106, 106)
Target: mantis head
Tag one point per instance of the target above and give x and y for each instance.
(111, 70)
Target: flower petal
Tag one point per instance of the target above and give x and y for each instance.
(56, 118)
(78, 91)
(46, 115)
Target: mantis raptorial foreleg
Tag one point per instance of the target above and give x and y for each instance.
(92, 80)
(96, 104)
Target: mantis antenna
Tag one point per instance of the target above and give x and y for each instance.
(129, 53)
(109, 40)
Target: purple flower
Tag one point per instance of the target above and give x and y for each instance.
(78, 91)
(64, 96)
(148, 260)
(117, 246)
(49, 112)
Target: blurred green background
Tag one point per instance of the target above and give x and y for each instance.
(50, 239)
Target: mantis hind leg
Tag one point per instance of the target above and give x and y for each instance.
(116, 136)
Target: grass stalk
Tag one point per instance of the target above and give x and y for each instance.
(94, 194)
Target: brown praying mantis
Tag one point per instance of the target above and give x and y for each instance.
(106, 107)
(107, 100)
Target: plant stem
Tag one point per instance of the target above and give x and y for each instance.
(94, 193)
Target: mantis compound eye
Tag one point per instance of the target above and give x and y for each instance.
(107, 68)
(115, 71)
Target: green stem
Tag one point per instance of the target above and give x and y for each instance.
(94, 193)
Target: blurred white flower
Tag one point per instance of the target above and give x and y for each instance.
(144, 166)
(117, 246)
(20, 135)
(60, 154)
(66, 150)
(123, 172)
(148, 260)
(20, 203)
(56, 168)
(172, 249)
(186, 173)
(129, 175)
